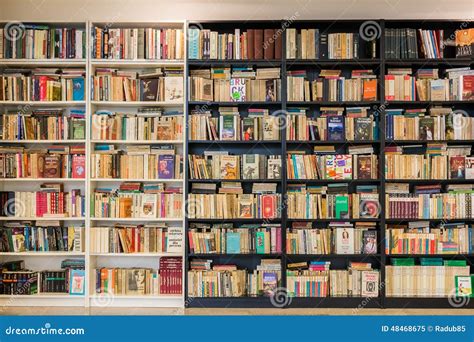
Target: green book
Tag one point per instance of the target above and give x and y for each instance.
(464, 285)
(455, 263)
(260, 237)
(403, 262)
(431, 262)
(342, 207)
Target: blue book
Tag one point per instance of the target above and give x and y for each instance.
(78, 89)
(233, 243)
(76, 282)
(193, 41)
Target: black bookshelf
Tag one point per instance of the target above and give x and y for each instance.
(379, 64)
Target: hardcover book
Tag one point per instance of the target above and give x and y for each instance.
(166, 166)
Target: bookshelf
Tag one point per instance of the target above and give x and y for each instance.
(45, 260)
(376, 60)
(145, 259)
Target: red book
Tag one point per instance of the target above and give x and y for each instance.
(43, 80)
(258, 44)
(278, 46)
(269, 44)
(78, 166)
(268, 206)
(467, 87)
(250, 44)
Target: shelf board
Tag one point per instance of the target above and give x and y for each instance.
(449, 142)
(236, 255)
(43, 254)
(135, 255)
(143, 180)
(133, 142)
(430, 181)
(428, 61)
(340, 256)
(234, 62)
(234, 142)
(427, 103)
(136, 63)
(45, 295)
(335, 302)
(138, 297)
(332, 142)
(42, 141)
(333, 62)
(423, 302)
(43, 103)
(402, 220)
(129, 219)
(136, 104)
(234, 180)
(229, 103)
(12, 218)
(444, 255)
(331, 103)
(334, 220)
(71, 62)
(237, 220)
(330, 181)
(65, 180)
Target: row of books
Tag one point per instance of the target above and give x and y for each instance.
(251, 44)
(430, 206)
(221, 165)
(225, 239)
(337, 238)
(136, 239)
(206, 280)
(229, 125)
(235, 89)
(140, 281)
(330, 86)
(44, 42)
(146, 124)
(136, 162)
(228, 206)
(333, 206)
(42, 85)
(18, 162)
(148, 85)
(419, 238)
(51, 201)
(15, 279)
(132, 200)
(137, 43)
(317, 280)
(331, 125)
(47, 237)
(409, 43)
(337, 166)
(434, 277)
(413, 166)
(440, 124)
(43, 124)
(401, 84)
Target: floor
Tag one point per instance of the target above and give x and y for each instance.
(216, 312)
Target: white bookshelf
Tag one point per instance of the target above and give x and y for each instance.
(48, 260)
(51, 260)
(149, 260)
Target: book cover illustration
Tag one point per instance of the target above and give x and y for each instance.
(77, 282)
(364, 167)
(344, 241)
(233, 243)
(174, 89)
(228, 127)
(270, 283)
(363, 128)
(78, 89)
(136, 281)
(149, 205)
(457, 167)
(248, 129)
(229, 167)
(335, 128)
(426, 128)
(165, 166)
(270, 95)
(237, 90)
(149, 89)
(369, 242)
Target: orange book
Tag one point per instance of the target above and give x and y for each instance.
(370, 90)
(464, 42)
(125, 207)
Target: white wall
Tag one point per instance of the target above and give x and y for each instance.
(154, 10)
